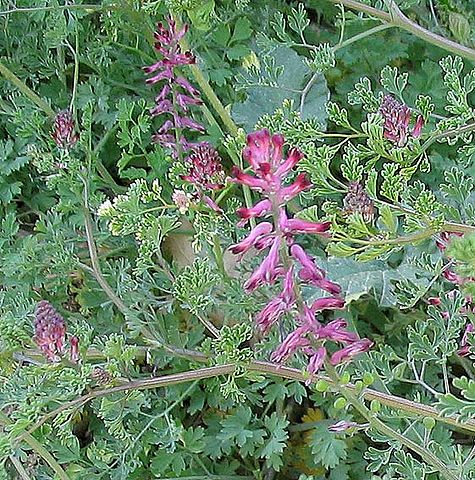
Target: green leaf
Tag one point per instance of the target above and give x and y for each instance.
(265, 94)
(373, 277)
(328, 449)
(275, 442)
(242, 30)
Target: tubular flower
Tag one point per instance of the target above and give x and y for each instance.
(464, 349)
(177, 94)
(288, 260)
(397, 117)
(63, 130)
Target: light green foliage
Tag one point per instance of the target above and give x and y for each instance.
(193, 286)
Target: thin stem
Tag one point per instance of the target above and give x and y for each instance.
(380, 426)
(392, 401)
(398, 19)
(19, 468)
(39, 449)
(366, 33)
(95, 258)
(26, 90)
(305, 91)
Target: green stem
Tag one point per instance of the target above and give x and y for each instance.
(218, 255)
(94, 255)
(27, 91)
(360, 36)
(407, 406)
(39, 449)
(396, 18)
(380, 426)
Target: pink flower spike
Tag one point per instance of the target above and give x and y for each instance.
(351, 351)
(258, 210)
(50, 331)
(328, 303)
(249, 180)
(464, 349)
(301, 183)
(294, 156)
(263, 228)
(434, 301)
(267, 272)
(316, 363)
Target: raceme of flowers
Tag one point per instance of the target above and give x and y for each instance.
(177, 94)
(63, 130)
(397, 117)
(205, 172)
(50, 334)
(287, 260)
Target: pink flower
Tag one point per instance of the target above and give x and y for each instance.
(416, 132)
(267, 272)
(336, 331)
(205, 168)
(328, 303)
(350, 351)
(262, 149)
(464, 349)
(287, 165)
(63, 130)
(258, 210)
(50, 331)
(249, 180)
(330, 287)
(342, 426)
(290, 345)
(74, 351)
(258, 231)
(316, 363)
(301, 183)
(271, 313)
(292, 226)
(309, 271)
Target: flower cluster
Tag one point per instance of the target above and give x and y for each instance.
(358, 201)
(63, 130)
(205, 172)
(50, 333)
(287, 259)
(397, 117)
(177, 94)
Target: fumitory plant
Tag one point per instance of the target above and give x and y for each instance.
(237, 240)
